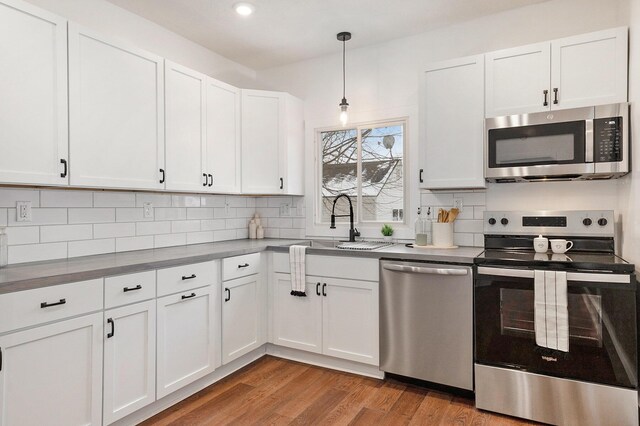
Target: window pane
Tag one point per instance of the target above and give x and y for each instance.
(339, 172)
(382, 174)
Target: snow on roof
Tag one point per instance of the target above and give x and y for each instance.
(343, 178)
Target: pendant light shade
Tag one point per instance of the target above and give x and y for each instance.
(344, 115)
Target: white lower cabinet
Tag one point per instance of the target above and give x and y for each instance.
(129, 359)
(52, 375)
(240, 317)
(186, 349)
(339, 317)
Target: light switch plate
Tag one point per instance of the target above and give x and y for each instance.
(458, 203)
(285, 210)
(23, 211)
(147, 210)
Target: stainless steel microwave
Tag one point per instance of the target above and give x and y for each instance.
(572, 144)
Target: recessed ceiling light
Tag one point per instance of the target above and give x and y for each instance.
(244, 9)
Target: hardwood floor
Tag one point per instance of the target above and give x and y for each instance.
(274, 391)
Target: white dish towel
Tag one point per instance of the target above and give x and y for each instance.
(551, 310)
(297, 261)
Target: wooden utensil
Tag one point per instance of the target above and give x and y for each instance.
(453, 214)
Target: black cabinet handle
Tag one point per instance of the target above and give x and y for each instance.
(420, 176)
(190, 277)
(324, 287)
(48, 305)
(318, 289)
(226, 299)
(113, 328)
(246, 265)
(0, 359)
(138, 287)
(206, 179)
(555, 96)
(64, 163)
(163, 176)
(189, 296)
(281, 183)
(546, 93)
(211, 183)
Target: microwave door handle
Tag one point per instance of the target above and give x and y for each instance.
(588, 141)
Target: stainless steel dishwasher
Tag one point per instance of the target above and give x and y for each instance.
(426, 322)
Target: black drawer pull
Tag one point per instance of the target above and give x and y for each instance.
(318, 289)
(324, 287)
(113, 328)
(420, 176)
(189, 296)
(48, 305)
(555, 96)
(226, 299)
(545, 93)
(281, 183)
(0, 359)
(190, 277)
(163, 176)
(246, 265)
(64, 163)
(206, 179)
(138, 287)
(211, 183)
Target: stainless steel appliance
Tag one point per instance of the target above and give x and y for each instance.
(595, 381)
(572, 144)
(426, 324)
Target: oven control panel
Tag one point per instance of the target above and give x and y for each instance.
(550, 223)
(607, 139)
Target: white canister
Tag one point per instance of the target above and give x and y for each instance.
(540, 244)
(253, 228)
(442, 234)
(260, 232)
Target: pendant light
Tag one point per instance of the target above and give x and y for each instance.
(344, 116)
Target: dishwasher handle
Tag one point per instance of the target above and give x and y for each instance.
(424, 270)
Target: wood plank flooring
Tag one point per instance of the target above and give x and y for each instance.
(274, 391)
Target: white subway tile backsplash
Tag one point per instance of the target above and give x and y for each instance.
(128, 214)
(200, 237)
(473, 226)
(478, 212)
(224, 235)
(223, 212)
(134, 243)
(158, 200)
(436, 199)
(185, 226)
(112, 230)
(9, 197)
(91, 247)
(462, 239)
(200, 213)
(280, 222)
(251, 203)
(272, 233)
(472, 198)
(23, 235)
(213, 225)
(247, 212)
(268, 211)
(478, 240)
(3, 217)
(50, 234)
(170, 213)
(153, 228)
(236, 201)
(298, 223)
(61, 198)
(47, 216)
(185, 201)
(278, 201)
(262, 201)
(37, 252)
(168, 240)
(99, 215)
(242, 233)
(291, 233)
(114, 199)
(213, 201)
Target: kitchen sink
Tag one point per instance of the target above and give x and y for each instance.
(346, 245)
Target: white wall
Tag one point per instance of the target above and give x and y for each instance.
(119, 23)
(382, 82)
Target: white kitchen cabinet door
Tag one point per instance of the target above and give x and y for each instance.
(263, 126)
(240, 312)
(297, 321)
(52, 375)
(33, 87)
(129, 359)
(452, 124)
(185, 128)
(518, 80)
(116, 107)
(293, 158)
(186, 347)
(589, 69)
(223, 150)
(350, 327)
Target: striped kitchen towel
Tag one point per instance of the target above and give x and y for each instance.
(297, 261)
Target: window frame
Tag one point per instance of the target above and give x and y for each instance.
(358, 127)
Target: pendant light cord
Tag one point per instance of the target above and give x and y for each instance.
(344, 78)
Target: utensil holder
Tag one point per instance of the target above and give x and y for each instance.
(442, 234)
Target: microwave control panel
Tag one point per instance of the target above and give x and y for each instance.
(607, 138)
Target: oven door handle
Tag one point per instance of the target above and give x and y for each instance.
(571, 276)
(425, 270)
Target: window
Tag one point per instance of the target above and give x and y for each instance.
(366, 163)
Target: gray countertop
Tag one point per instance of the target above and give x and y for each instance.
(42, 274)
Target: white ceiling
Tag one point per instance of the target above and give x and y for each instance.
(286, 31)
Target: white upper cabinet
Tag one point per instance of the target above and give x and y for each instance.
(223, 152)
(272, 143)
(517, 80)
(452, 121)
(33, 87)
(185, 128)
(579, 71)
(589, 69)
(116, 113)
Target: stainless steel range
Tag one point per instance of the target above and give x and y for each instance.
(555, 333)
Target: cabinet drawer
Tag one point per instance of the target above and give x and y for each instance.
(181, 278)
(31, 307)
(240, 266)
(357, 268)
(131, 288)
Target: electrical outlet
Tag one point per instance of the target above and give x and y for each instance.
(458, 203)
(227, 209)
(147, 210)
(23, 211)
(285, 210)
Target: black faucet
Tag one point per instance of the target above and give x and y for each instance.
(353, 232)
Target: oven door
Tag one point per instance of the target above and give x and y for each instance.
(602, 326)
